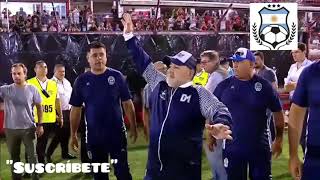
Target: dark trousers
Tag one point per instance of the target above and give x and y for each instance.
(62, 136)
(186, 171)
(43, 140)
(237, 164)
(118, 151)
(311, 163)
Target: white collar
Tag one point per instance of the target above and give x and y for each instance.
(57, 80)
(190, 83)
(304, 62)
(41, 81)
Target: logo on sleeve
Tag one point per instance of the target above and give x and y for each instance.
(111, 80)
(185, 98)
(258, 86)
(226, 162)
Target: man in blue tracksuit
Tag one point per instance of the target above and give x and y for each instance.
(102, 91)
(248, 97)
(306, 96)
(178, 114)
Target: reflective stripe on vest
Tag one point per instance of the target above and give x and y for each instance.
(48, 104)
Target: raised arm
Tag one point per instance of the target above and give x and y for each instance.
(141, 59)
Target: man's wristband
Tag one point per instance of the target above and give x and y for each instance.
(39, 124)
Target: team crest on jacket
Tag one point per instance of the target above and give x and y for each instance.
(258, 86)
(111, 80)
(163, 95)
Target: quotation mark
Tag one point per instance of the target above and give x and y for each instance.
(9, 162)
(114, 161)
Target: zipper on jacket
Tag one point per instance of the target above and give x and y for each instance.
(165, 119)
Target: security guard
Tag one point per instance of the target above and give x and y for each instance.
(50, 106)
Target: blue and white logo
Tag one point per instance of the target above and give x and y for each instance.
(111, 80)
(273, 26)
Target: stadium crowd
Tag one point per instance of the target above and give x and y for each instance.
(82, 19)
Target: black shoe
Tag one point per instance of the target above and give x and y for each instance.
(49, 160)
(68, 156)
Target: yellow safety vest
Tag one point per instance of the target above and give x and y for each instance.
(201, 79)
(48, 103)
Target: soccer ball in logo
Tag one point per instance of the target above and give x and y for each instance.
(274, 34)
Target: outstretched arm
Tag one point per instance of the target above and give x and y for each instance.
(217, 113)
(141, 59)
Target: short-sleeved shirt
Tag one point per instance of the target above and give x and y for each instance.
(307, 94)
(268, 74)
(214, 79)
(18, 105)
(294, 72)
(102, 95)
(248, 102)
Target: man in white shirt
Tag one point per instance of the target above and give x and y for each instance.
(299, 56)
(62, 135)
(301, 61)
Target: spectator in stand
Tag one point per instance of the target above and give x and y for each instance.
(21, 24)
(21, 13)
(117, 27)
(28, 25)
(160, 25)
(139, 26)
(53, 27)
(4, 13)
(54, 14)
(193, 22)
(108, 26)
(92, 26)
(45, 18)
(74, 28)
(171, 23)
(203, 26)
(207, 16)
(84, 16)
(210, 25)
(75, 16)
(35, 23)
(237, 23)
(101, 27)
